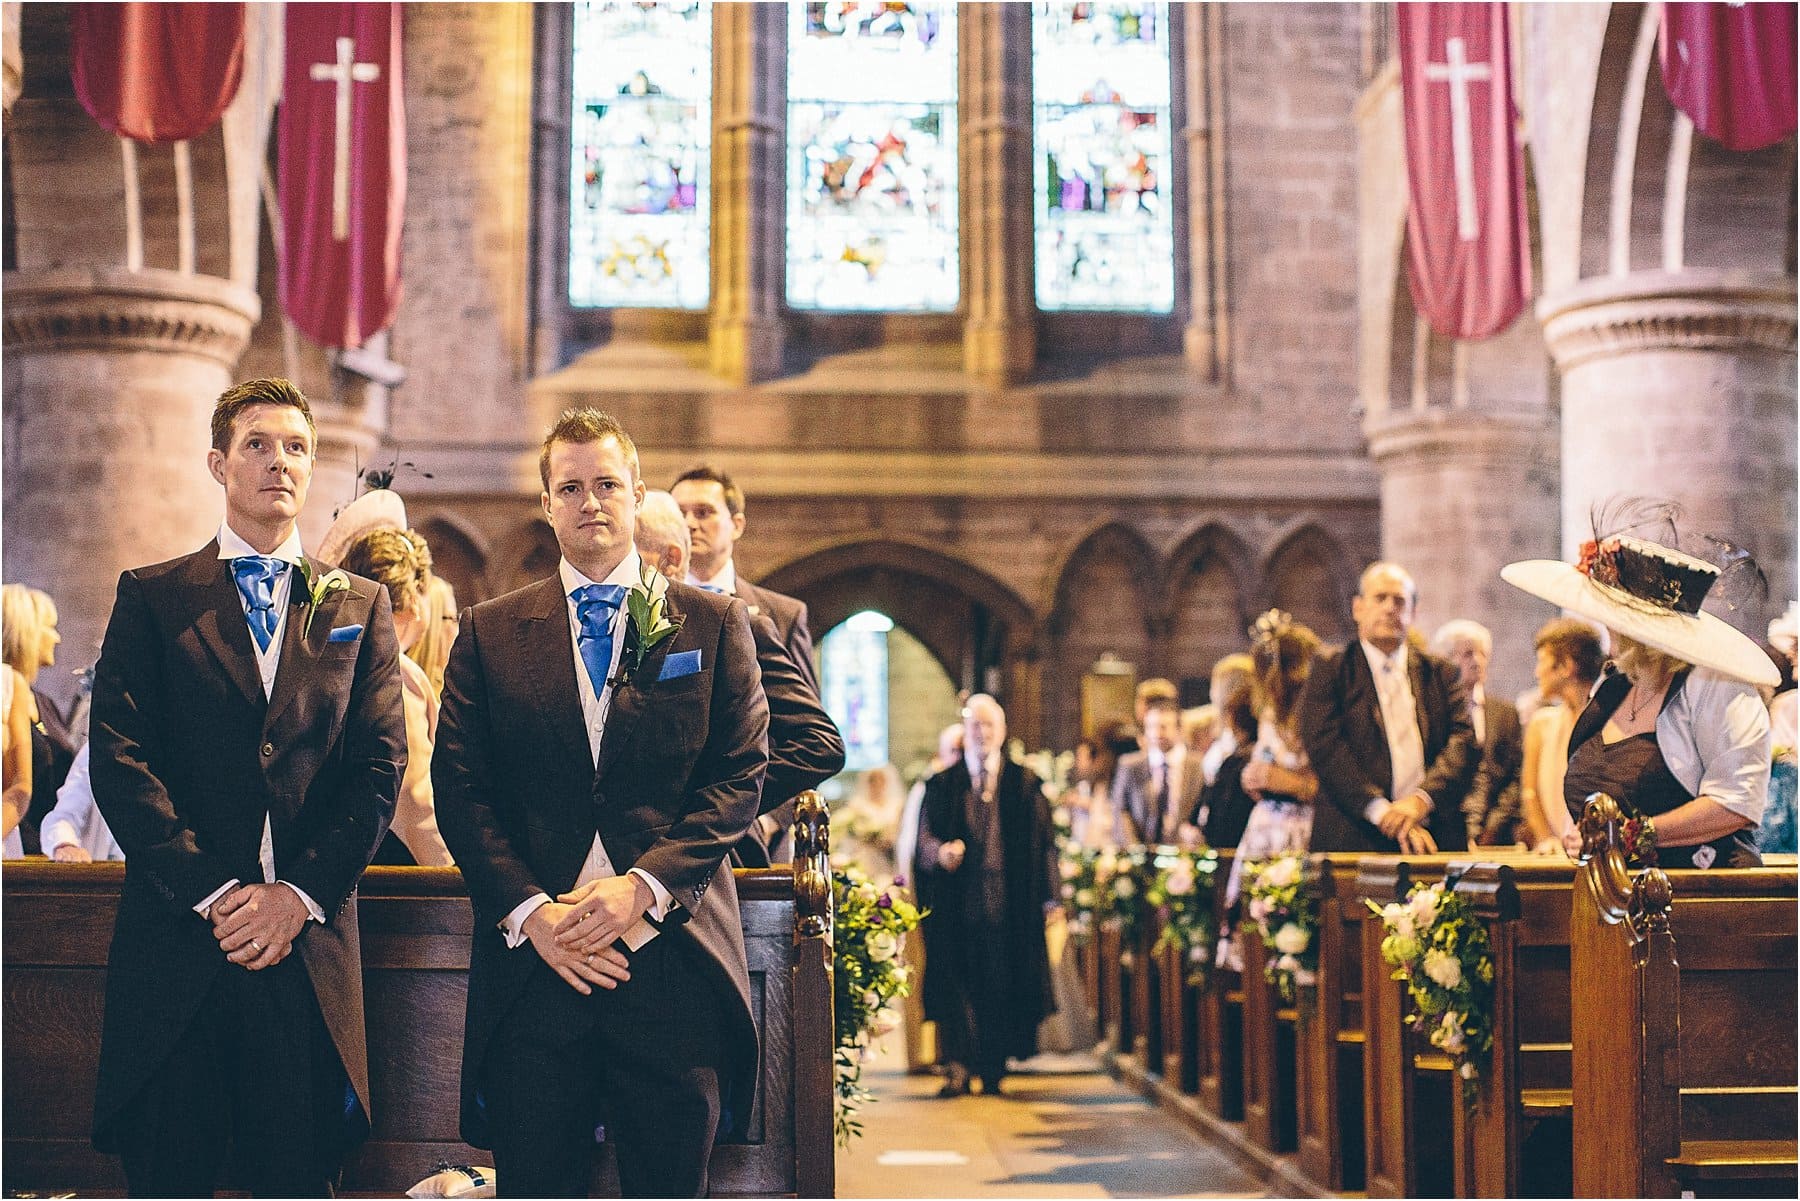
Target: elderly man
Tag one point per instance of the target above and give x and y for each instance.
(1387, 729)
(1491, 809)
(805, 748)
(986, 867)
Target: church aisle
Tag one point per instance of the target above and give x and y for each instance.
(1067, 1133)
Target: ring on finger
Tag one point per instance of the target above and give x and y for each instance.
(256, 944)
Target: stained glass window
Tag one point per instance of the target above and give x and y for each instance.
(1105, 233)
(642, 137)
(872, 221)
(853, 674)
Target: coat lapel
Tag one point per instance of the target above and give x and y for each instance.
(1415, 677)
(1362, 680)
(629, 700)
(301, 641)
(220, 623)
(549, 653)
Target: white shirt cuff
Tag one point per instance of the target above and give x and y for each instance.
(212, 898)
(1376, 809)
(312, 909)
(513, 926)
(1430, 805)
(661, 902)
(58, 834)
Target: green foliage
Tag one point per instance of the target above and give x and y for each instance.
(868, 933)
(1283, 902)
(1181, 887)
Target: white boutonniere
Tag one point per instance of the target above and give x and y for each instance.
(647, 622)
(318, 587)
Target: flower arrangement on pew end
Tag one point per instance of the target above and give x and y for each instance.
(870, 928)
(1108, 883)
(1283, 902)
(1182, 888)
(1435, 943)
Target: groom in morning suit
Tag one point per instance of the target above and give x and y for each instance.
(248, 743)
(591, 777)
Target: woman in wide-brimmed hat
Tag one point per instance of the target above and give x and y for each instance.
(1678, 734)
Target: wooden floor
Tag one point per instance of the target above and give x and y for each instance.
(1064, 1130)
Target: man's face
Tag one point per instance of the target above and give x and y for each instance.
(711, 526)
(1551, 672)
(1161, 729)
(592, 501)
(267, 467)
(1471, 660)
(984, 727)
(1383, 610)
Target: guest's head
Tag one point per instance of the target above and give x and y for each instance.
(263, 443)
(1646, 665)
(396, 561)
(1383, 608)
(29, 635)
(1569, 659)
(1162, 724)
(662, 535)
(1283, 651)
(1228, 675)
(880, 785)
(949, 745)
(1238, 714)
(592, 489)
(984, 725)
(432, 650)
(1199, 727)
(1154, 689)
(714, 507)
(1468, 646)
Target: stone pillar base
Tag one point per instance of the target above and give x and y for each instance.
(745, 352)
(999, 352)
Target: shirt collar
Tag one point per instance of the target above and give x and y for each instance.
(1478, 695)
(975, 765)
(1379, 661)
(628, 573)
(1172, 755)
(725, 581)
(233, 547)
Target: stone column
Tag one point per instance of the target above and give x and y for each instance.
(748, 189)
(1682, 387)
(1206, 335)
(994, 82)
(109, 384)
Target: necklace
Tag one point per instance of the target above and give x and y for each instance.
(1643, 699)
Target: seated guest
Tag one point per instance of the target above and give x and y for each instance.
(1387, 729)
(1224, 805)
(1277, 774)
(30, 640)
(1569, 660)
(15, 755)
(1678, 734)
(75, 831)
(1228, 675)
(1491, 808)
(1154, 787)
(395, 560)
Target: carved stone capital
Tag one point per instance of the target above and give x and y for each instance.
(1460, 434)
(114, 309)
(1726, 312)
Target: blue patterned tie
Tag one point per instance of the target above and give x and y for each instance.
(256, 576)
(714, 588)
(595, 605)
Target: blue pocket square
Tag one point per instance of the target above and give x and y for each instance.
(676, 666)
(344, 634)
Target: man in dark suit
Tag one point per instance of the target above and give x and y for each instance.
(600, 749)
(1387, 729)
(248, 744)
(713, 504)
(1156, 788)
(1491, 808)
(805, 748)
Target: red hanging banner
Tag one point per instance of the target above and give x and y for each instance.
(1730, 67)
(156, 72)
(342, 153)
(1468, 246)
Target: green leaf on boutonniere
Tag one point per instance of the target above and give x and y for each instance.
(318, 587)
(647, 621)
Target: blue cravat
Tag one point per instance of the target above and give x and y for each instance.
(595, 605)
(713, 588)
(256, 576)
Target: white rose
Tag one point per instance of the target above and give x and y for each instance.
(1291, 939)
(1068, 892)
(900, 975)
(1084, 899)
(1283, 872)
(1259, 909)
(1126, 887)
(1467, 1071)
(1106, 864)
(1180, 881)
(883, 946)
(871, 999)
(1444, 968)
(1423, 904)
(1288, 963)
(1070, 869)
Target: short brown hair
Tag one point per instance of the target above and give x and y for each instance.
(581, 426)
(1575, 640)
(396, 561)
(1165, 703)
(272, 390)
(734, 495)
(1156, 688)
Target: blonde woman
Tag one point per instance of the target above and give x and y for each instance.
(15, 758)
(396, 561)
(432, 650)
(1569, 660)
(28, 641)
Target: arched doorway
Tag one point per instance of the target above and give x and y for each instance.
(887, 692)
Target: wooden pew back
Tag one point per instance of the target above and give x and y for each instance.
(1329, 1069)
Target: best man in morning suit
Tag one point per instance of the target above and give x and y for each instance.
(1158, 788)
(590, 785)
(248, 743)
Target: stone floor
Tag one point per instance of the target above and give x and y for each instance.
(1064, 1130)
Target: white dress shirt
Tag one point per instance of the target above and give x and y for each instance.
(268, 662)
(725, 581)
(1400, 721)
(598, 864)
(1478, 713)
(76, 820)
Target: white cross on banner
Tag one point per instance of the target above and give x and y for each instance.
(1467, 243)
(342, 170)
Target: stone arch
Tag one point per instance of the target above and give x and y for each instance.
(1309, 575)
(460, 555)
(1209, 601)
(1106, 602)
(534, 556)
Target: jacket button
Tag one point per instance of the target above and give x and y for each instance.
(268, 749)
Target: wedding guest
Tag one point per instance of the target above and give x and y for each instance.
(920, 1036)
(432, 650)
(75, 831)
(29, 637)
(1278, 773)
(1156, 787)
(1491, 806)
(15, 755)
(864, 829)
(1087, 799)
(986, 873)
(1224, 804)
(949, 750)
(396, 559)
(1778, 834)
(1678, 734)
(1199, 729)
(248, 740)
(1387, 729)
(1229, 674)
(1569, 661)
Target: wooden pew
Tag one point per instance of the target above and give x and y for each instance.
(1329, 1055)
(58, 921)
(1219, 1018)
(1684, 1026)
(1270, 1110)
